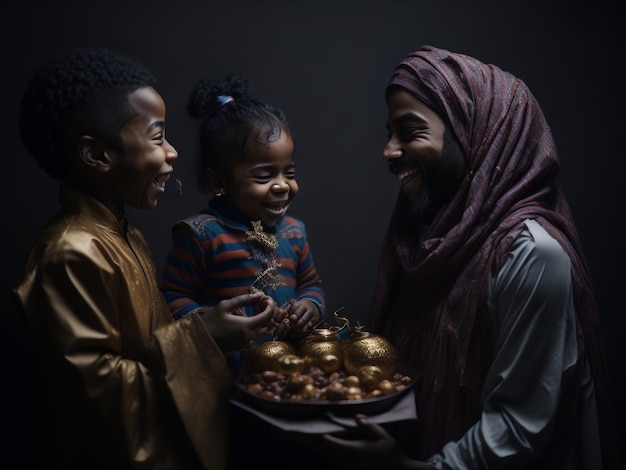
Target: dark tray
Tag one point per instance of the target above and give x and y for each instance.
(368, 406)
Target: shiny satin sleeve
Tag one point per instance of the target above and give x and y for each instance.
(108, 349)
(530, 300)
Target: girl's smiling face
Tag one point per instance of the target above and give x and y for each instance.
(264, 183)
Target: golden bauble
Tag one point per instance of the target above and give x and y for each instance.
(330, 363)
(265, 356)
(320, 343)
(369, 377)
(290, 364)
(368, 349)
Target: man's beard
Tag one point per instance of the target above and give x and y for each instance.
(440, 181)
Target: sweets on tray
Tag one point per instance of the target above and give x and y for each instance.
(325, 367)
(313, 383)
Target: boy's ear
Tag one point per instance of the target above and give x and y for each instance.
(93, 153)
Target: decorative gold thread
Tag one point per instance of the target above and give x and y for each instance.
(266, 244)
(269, 277)
(266, 241)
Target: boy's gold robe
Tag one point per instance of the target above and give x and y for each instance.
(122, 384)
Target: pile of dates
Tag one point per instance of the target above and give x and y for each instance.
(313, 383)
(325, 367)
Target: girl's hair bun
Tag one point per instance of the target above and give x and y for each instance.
(207, 96)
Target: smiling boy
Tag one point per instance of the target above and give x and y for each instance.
(115, 369)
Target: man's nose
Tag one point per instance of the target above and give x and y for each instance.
(392, 150)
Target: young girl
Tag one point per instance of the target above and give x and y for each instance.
(244, 240)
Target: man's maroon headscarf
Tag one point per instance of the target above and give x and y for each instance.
(434, 291)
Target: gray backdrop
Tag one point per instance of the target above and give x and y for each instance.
(326, 64)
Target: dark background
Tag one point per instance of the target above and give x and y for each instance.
(326, 64)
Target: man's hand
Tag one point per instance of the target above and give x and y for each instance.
(370, 447)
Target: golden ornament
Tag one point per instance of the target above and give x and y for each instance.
(369, 377)
(367, 349)
(322, 342)
(290, 364)
(266, 356)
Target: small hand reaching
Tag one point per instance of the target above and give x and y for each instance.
(303, 315)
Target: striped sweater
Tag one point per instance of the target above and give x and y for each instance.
(211, 260)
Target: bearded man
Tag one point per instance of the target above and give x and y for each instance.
(483, 287)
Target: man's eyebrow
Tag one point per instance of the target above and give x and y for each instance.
(408, 117)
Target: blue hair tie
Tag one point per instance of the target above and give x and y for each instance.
(223, 100)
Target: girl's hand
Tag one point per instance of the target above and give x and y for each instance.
(303, 315)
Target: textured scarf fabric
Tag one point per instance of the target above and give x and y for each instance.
(430, 298)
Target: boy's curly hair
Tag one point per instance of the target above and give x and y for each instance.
(81, 92)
